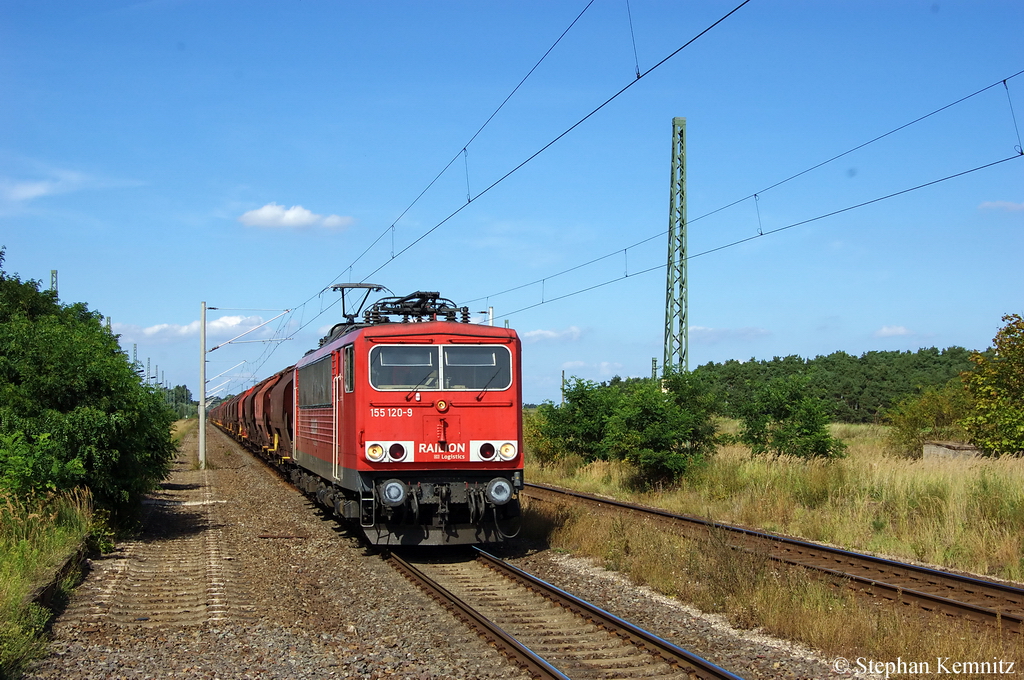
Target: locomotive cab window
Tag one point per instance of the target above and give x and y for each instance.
(449, 367)
(404, 367)
(350, 368)
(484, 367)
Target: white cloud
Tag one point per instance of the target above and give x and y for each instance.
(26, 191)
(225, 327)
(59, 182)
(1007, 206)
(571, 333)
(713, 336)
(277, 216)
(892, 331)
(337, 222)
(569, 365)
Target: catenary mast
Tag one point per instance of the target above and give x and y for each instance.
(676, 322)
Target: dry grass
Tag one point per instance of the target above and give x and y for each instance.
(180, 428)
(753, 591)
(963, 514)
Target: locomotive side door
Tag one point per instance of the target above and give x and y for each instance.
(338, 403)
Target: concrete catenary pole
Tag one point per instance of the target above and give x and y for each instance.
(202, 387)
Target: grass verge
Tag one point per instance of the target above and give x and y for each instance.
(964, 514)
(36, 536)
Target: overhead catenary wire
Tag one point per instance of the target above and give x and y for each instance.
(755, 196)
(246, 309)
(471, 197)
(1009, 100)
(632, 36)
(775, 185)
(463, 152)
(732, 244)
(544, 148)
(508, 174)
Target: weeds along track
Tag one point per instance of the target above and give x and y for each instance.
(548, 632)
(990, 602)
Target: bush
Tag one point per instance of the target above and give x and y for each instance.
(72, 409)
(995, 423)
(783, 418)
(538, 447)
(662, 433)
(577, 426)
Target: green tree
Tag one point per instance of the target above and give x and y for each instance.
(784, 418)
(663, 432)
(662, 428)
(72, 409)
(996, 385)
(578, 425)
(179, 399)
(857, 389)
(933, 414)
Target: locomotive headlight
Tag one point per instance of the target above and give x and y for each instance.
(487, 451)
(499, 491)
(375, 452)
(507, 451)
(393, 492)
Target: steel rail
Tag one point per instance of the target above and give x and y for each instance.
(875, 573)
(673, 655)
(505, 643)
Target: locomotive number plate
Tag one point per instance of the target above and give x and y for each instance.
(390, 412)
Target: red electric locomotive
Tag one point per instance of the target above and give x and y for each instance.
(409, 422)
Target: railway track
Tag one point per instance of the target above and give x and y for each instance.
(990, 602)
(548, 632)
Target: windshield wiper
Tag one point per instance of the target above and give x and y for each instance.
(418, 385)
(488, 384)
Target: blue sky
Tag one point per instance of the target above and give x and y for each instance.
(163, 153)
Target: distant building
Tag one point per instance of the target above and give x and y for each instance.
(950, 450)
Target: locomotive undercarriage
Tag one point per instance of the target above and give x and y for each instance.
(440, 510)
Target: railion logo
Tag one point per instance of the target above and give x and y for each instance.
(434, 447)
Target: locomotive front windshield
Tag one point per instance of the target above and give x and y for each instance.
(404, 367)
(455, 367)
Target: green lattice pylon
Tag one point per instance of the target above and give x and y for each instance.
(676, 323)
